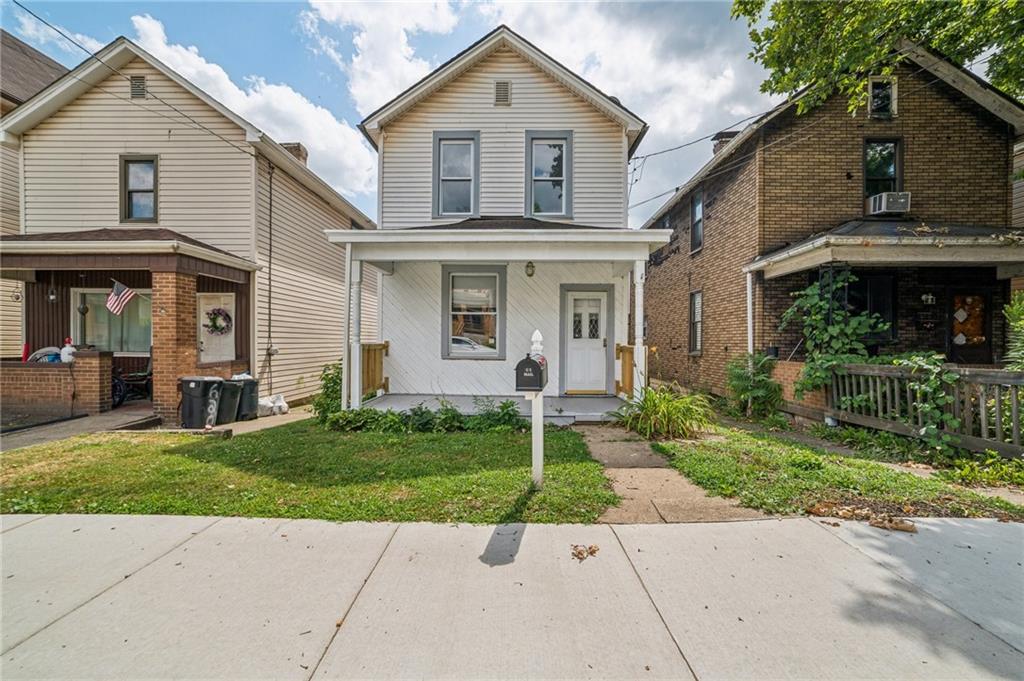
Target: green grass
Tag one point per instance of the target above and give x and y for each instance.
(304, 471)
(779, 476)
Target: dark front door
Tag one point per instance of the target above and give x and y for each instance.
(970, 337)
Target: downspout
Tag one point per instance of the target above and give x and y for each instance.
(271, 349)
(346, 343)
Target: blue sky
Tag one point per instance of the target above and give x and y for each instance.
(311, 71)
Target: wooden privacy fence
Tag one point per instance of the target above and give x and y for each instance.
(987, 404)
(373, 378)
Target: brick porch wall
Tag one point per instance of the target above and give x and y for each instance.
(786, 373)
(174, 339)
(82, 387)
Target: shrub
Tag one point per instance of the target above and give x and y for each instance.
(421, 419)
(776, 421)
(994, 470)
(328, 400)
(1014, 312)
(448, 419)
(754, 391)
(661, 413)
(489, 417)
(353, 420)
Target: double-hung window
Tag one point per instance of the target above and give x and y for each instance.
(696, 321)
(549, 173)
(456, 173)
(473, 326)
(697, 221)
(138, 188)
(130, 332)
(881, 167)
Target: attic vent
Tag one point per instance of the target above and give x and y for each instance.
(138, 87)
(502, 93)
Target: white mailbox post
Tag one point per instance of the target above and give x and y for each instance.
(531, 377)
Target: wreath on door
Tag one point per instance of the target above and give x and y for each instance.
(218, 322)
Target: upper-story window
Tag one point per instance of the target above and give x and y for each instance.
(138, 188)
(697, 221)
(549, 173)
(881, 167)
(456, 173)
(881, 97)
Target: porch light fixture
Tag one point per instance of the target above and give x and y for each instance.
(51, 295)
(83, 309)
(928, 298)
(530, 269)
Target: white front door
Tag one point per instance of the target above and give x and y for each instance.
(586, 347)
(215, 322)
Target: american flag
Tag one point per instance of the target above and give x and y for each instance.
(119, 297)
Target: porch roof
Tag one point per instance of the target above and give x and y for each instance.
(896, 243)
(502, 239)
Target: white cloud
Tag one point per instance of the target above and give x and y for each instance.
(337, 151)
(38, 33)
(384, 62)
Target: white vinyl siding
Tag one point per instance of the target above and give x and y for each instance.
(538, 103)
(308, 287)
(72, 168)
(10, 223)
(412, 303)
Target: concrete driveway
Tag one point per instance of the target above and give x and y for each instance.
(118, 597)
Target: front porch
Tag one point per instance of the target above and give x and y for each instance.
(559, 410)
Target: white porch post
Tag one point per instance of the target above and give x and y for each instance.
(639, 342)
(346, 344)
(355, 376)
(750, 312)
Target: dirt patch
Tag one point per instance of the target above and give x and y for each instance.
(651, 491)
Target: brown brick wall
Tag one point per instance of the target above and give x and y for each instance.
(786, 373)
(81, 387)
(174, 339)
(1017, 284)
(794, 181)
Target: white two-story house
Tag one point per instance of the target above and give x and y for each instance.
(503, 211)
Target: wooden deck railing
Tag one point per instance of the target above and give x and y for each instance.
(373, 378)
(624, 385)
(987, 404)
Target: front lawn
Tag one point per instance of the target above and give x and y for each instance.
(302, 470)
(780, 476)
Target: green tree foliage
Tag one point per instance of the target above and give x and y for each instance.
(754, 391)
(834, 45)
(1014, 311)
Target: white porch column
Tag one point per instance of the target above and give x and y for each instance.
(355, 376)
(750, 312)
(639, 342)
(346, 344)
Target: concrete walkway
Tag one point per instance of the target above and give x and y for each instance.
(651, 491)
(124, 597)
(126, 416)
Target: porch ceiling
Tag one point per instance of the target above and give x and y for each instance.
(478, 245)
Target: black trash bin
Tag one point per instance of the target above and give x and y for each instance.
(200, 399)
(249, 401)
(228, 406)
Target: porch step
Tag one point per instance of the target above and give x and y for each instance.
(144, 423)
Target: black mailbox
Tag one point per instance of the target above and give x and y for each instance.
(531, 373)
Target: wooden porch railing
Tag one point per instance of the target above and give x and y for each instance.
(987, 405)
(624, 384)
(373, 378)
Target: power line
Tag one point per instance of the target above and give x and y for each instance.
(149, 93)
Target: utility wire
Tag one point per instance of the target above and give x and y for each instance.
(149, 93)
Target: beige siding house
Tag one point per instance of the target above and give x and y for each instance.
(132, 161)
(503, 212)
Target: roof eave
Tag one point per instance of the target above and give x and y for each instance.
(45, 247)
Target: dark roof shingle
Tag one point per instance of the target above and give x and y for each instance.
(106, 234)
(24, 70)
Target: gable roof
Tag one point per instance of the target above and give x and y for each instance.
(24, 70)
(503, 37)
(967, 83)
(109, 60)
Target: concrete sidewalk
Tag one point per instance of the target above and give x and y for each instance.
(119, 597)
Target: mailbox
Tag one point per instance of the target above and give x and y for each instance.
(532, 373)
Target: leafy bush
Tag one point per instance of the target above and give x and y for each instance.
(1014, 312)
(754, 391)
(833, 336)
(448, 419)
(353, 420)
(662, 413)
(421, 419)
(994, 470)
(328, 400)
(878, 445)
(776, 421)
(489, 417)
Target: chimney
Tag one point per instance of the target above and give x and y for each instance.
(720, 139)
(297, 150)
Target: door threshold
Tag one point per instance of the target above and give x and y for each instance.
(587, 393)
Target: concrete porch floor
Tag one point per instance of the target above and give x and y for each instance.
(561, 411)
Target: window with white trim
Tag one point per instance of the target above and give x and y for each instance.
(129, 333)
(881, 96)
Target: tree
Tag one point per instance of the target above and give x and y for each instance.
(834, 45)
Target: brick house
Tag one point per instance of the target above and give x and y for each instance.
(128, 172)
(790, 195)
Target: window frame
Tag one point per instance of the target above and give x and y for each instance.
(440, 137)
(125, 193)
(699, 247)
(893, 107)
(500, 272)
(695, 323)
(565, 137)
(77, 327)
(871, 280)
(898, 142)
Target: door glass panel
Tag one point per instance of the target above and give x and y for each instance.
(595, 325)
(577, 325)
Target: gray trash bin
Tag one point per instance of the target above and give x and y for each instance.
(249, 401)
(228, 407)
(200, 399)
